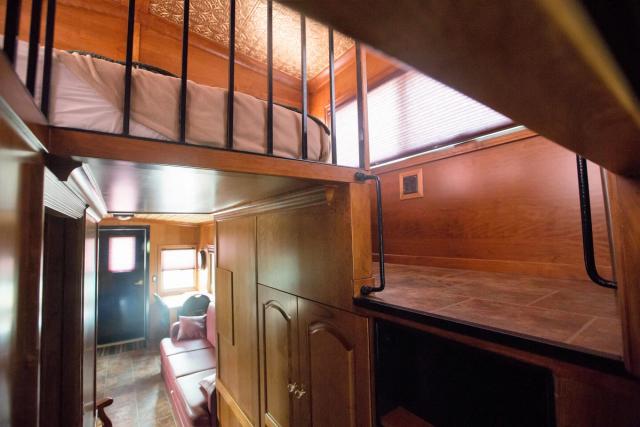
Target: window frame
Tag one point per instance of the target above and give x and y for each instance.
(166, 292)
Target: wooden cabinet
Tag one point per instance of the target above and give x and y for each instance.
(278, 336)
(314, 363)
(236, 315)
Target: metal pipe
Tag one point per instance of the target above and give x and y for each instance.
(360, 105)
(366, 290)
(11, 28)
(128, 68)
(34, 44)
(183, 77)
(587, 228)
(232, 62)
(48, 56)
(269, 77)
(332, 99)
(303, 78)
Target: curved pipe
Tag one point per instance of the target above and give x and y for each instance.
(366, 290)
(587, 229)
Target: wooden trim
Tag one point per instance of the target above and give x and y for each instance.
(80, 143)
(419, 192)
(300, 199)
(548, 270)
(60, 198)
(624, 196)
(224, 394)
(470, 146)
(84, 184)
(17, 102)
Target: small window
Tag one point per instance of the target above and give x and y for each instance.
(122, 254)
(178, 267)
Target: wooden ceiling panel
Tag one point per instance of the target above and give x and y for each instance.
(161, 189)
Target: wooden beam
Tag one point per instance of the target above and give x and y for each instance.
(539, 62)
(78, 143)
(624, 196)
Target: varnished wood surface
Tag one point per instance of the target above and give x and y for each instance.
(137, 187)
(541, 63)
(279, 357)
(21, 228)
(334, 366)
(308, 252)
(625, 212)
(238, 360)
(400, 417)
(83, 144)
(513, 207)
(89, 321)
(570, 313)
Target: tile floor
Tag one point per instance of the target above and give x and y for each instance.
(574, 313)
(133, 379)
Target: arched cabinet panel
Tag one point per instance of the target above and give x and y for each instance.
(278, 344)
(334, 366)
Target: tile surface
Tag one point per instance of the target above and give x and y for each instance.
(133, 379)
(575, 313)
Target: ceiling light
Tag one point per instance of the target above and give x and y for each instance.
(123, 216)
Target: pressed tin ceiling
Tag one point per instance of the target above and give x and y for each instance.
(210, 19)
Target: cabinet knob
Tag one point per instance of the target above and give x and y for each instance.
(299, 392)
(292, 387)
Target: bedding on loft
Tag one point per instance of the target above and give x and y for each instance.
(87, 92)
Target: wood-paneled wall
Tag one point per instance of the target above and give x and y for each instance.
(508, 208)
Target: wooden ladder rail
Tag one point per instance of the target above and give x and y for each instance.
(102, 415)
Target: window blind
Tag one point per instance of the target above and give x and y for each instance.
(411, 113)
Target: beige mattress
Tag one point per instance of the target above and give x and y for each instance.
(88, 93)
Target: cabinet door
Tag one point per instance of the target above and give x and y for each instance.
(236, 314)
(278, 344)
(334, 366)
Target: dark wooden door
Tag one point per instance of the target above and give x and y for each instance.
(278, 344)
(122, 284)
(334, 386)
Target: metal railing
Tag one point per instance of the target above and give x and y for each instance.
(12, 29)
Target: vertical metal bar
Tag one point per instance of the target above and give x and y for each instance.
(303, 78)
(11, 28)
(128, 68)
(587, 228)
(363, 131)
(34, 44)
(366, 290)
(232, 61)
(332, 100)
(48, 56)
(183, 78)
(269, 77)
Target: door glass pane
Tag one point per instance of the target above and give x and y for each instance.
(122, 254)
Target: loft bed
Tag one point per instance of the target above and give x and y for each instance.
(87, 97)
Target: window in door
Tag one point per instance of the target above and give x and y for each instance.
(178, 269)
(122, 254)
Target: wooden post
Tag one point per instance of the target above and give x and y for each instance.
(624, 197)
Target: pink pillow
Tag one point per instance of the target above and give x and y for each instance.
(191, 328)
